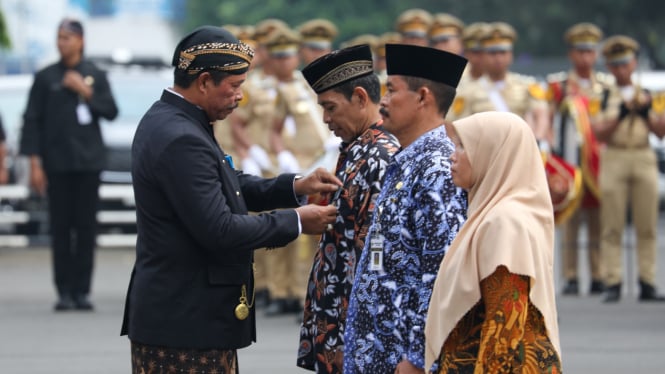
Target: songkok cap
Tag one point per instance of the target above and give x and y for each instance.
(471, 36)
(244, 33)
(445, 26)
(368, 39)
(211, 47)
(414, 23)
(386, 38)
(620, 49)
(283, 43)
(424, 62)
(318, 33)
(583, 36)
(263, 29)
(498, 37)
(338, 67)
(71, 25)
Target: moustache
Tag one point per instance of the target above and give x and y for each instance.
(384, 112)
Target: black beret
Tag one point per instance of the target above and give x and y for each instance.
(424, 62)
(212, 47)
(338, 67)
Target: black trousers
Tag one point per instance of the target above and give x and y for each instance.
(73, 199)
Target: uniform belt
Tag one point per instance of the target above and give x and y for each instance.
(625, 146)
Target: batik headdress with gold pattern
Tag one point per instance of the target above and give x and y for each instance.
(339, 67)
(212, 48)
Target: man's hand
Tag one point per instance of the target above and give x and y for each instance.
(4, 175)
(37, 177)
(316, 218)
(75, 82)
(319, 181)
(406, 367)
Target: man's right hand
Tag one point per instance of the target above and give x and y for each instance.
(316, 218)
(37, 177)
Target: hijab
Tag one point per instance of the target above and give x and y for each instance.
(510, 223)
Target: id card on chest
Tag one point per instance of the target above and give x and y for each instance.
(376, 242)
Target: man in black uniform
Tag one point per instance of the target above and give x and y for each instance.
(62, 137)
(192, 289)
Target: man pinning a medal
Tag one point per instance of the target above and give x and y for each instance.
(191, 292)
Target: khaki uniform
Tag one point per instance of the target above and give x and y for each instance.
(379, 53)
(568, 143)
(255, 111)
(628, 177)
(573, 100)
(518, 94)
(304, 135)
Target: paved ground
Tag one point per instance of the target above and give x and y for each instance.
(625, 338)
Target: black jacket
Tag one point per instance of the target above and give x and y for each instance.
(50, 124)
(195, 239)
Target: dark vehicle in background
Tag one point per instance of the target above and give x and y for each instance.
(23, 218)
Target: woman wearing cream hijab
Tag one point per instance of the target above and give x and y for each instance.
(492, 308)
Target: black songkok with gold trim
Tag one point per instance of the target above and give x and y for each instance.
(212, 48)
(424, 62)
(339, 67)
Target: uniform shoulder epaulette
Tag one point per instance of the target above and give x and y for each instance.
(523, 78)
(559, 76)
(537, 91)
(245, 96)
(604, 78)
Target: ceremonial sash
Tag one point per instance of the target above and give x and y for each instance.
(565, 184)
(589, 160)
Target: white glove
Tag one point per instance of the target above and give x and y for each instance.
(544, 146)
(287, 162)
(332, 144)
(260, 156)
(249, 166)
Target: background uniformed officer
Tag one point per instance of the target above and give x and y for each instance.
(299, 138)
(413, 25)
(317, 38)
(500, 89)
(628, 171)
(445, 33)
(572, 96)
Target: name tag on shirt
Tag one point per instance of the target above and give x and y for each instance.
(376, 253)
(83, 114)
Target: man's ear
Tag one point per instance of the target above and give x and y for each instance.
(423, 92)
(204, 80)
(361, 94)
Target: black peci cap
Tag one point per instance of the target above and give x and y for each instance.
(424, 62)
(338, 67)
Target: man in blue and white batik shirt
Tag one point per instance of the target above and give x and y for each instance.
(418, 213)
